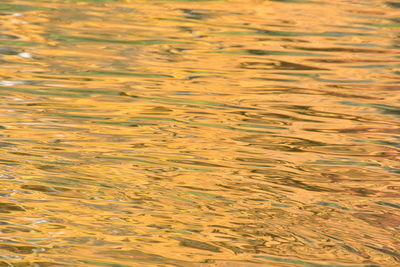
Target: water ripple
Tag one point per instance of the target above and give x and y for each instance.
(199, 133)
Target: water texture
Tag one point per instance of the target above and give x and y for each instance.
(236, 133)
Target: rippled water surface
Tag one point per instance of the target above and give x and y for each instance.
(235, 133)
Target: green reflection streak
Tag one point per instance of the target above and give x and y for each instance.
(310, 264)
(71, 38)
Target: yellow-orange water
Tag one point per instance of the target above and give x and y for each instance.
(199, 133)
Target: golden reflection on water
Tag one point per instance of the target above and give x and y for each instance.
(199, 133)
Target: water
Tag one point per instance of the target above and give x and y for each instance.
(199, 133)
